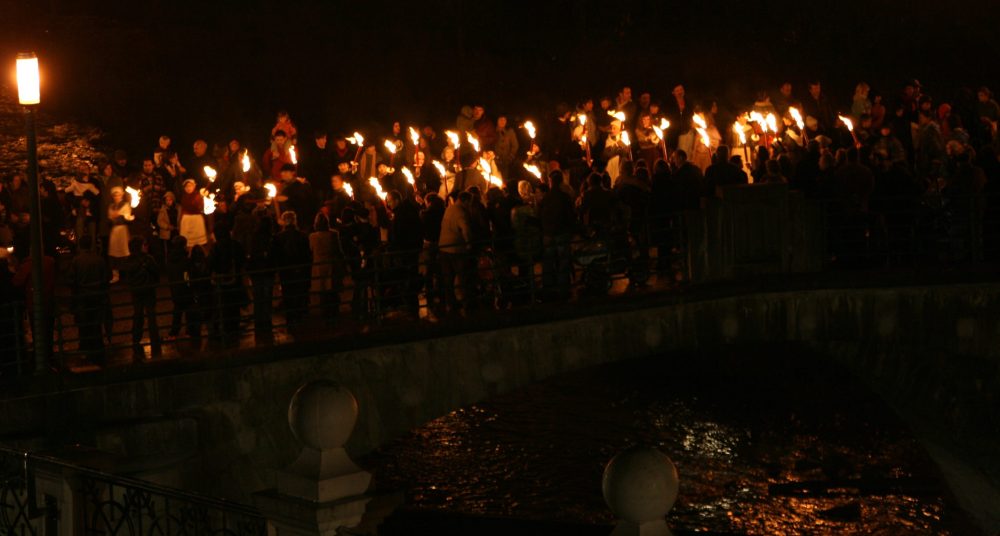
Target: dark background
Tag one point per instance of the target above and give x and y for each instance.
(220, 69)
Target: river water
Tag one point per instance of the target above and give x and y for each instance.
(766, 441)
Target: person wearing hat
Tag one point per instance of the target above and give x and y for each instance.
(192, 219)
(119, 216)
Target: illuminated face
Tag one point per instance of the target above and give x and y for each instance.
(321, 142)
(616, 128)
(478, 112)
(627, 93)
(164, 142)
(449, 153)
(337, 182)
(341, 144)
(200, 147)
(588, 106)
(501, 122)
(279, 140)
(679, 92)
(419, 159)
(396, 128)
(234, 146)
(189, 186)
(654, 109)
(786, 89)
(343, 167)
(117, 194)
(646, 121)
(814, 90)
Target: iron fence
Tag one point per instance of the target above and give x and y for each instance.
(106, 505)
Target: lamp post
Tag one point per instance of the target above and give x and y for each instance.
(28, 94)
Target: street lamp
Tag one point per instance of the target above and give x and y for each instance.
(29, 95)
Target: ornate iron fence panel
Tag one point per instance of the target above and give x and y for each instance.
(15, 514)
(119, 509)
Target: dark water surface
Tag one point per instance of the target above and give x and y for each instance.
(766, 441)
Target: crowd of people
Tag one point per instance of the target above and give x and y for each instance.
(410, 216)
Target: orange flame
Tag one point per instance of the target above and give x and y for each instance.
(349, 189)
(209, 202)
(409, 175)
(378, 188)
(847, 123)
(293, 155)
(625, 138)
(617, 115)
(246, 161)
(772, 123)
(210, 173)
(414, 137)
(530, 127)
(738, 129)
(453, 139)
(473, 141)
(134, 196)
(272, 190)
(797, 117)
(440, 168)
(533, 169)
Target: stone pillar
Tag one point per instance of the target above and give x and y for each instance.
(640, 485)
(323, 490)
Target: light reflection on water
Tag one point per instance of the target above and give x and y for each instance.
(734, 425)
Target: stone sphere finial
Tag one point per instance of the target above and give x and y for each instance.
(640, 485)
(322, 414)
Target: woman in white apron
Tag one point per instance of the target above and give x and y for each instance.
(119, 214)
(192, 218)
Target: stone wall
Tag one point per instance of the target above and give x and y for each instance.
(932, 352)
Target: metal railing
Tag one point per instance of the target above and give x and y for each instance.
(389, 286)
(44, 495)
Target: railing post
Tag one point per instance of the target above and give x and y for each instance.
(640, 486)
(323, 491)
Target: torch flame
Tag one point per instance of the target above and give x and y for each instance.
(358, 139)
(738, 129)
(699, 120)
(772, 123)
(582, 118)
(617, 115)
(210, 173)
(533, 169)
(702, 127)
(847, 123)
(272, 190)
(246, 161)
(756, 117)
(453, 139)
(414, 137)
(349, 189)
(797, 117)
(293, 155)
(209, 202)
(664, 124)
(378, 188)
(390, 146)
(134, 196)
(625, 138)
(530, 127)
(473, 141)
(440, 168)
(487, 170)
(409, 175)
(659, 132)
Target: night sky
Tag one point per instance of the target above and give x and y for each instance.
(221, 69)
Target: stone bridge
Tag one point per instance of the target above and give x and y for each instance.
(220, 426)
